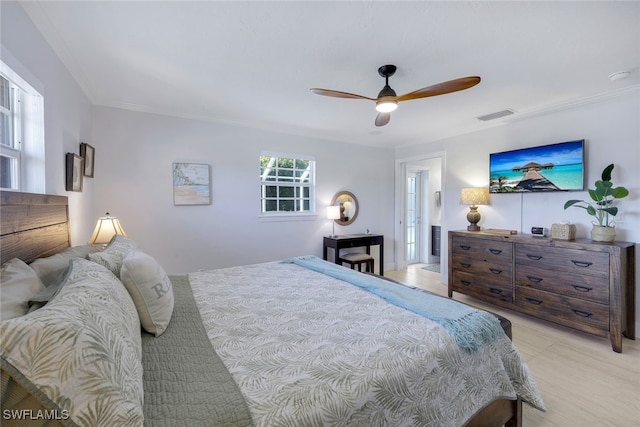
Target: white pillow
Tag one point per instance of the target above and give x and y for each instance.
(47, 294)
(81, 354)
(51, 268)
(18, 284)
(150, 289)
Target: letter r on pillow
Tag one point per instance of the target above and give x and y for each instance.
(160, 289)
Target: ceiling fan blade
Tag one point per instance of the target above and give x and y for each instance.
(382, 119)
(338, 94)
(441, 88)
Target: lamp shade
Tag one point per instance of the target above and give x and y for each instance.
(333, 212)
(474, 196)
(106, 228)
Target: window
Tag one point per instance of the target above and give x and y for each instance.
(287, 184)
(9, 135)
(21, 134)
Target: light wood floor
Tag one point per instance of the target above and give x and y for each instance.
(582, 380)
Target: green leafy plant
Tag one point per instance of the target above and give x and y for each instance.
(603, 197)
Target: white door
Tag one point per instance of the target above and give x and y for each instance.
(413, 218)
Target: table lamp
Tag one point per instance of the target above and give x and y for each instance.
(106, 228)
(333, 213)
(474, 197)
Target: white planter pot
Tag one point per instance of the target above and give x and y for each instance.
(600, 233)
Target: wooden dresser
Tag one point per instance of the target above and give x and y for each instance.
(582, 284)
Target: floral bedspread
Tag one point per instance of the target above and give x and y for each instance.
(307, 349)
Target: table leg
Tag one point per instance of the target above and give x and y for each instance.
(381, 257)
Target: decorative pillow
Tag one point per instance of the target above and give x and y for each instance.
(80, 355)
(18, 284)
(150, 289)
(114, 253)
(50, 268)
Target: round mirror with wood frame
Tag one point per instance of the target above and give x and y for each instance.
(348, 207)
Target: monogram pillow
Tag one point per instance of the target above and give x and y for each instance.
(150, 289)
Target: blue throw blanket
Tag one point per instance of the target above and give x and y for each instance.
(469, 327)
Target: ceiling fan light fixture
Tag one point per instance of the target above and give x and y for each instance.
(387, 100)
(386, 104)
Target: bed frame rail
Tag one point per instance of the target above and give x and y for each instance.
(501, 412)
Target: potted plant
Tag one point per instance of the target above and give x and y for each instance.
(603, 196)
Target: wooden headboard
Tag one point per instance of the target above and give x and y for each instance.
(32, 225)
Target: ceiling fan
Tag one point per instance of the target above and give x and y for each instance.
(387, 100)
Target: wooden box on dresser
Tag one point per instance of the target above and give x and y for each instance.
(581, 284)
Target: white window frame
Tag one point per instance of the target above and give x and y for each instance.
(26, 148)
(306, 180)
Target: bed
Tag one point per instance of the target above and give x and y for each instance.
(290, 342)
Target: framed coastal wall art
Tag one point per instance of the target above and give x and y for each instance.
(87, 152)
(191, 184)
(554, 167)
(74, 170)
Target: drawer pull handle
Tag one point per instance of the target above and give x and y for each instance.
(581, 263)
(465, 264)
(535, 279)
(534, 257)
(582, 288)
(495, 251)
(465, 247)
(465, 282)
(495, 270)
(534, 301)
(495, 290)
(583, 313)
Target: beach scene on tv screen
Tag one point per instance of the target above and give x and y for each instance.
(555, 167)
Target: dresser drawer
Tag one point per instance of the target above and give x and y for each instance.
(482, 268)
(570, 260)
(487, 250)
(568, 311)
(590, 288)
(482, 287)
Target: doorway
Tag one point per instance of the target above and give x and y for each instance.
(418, 189)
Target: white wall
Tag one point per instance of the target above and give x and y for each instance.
(67, 111)
(611, 128)
(134, 156)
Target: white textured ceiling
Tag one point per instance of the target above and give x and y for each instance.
(253, 63)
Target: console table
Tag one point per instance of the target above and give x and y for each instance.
(578, 283)
(353, 241)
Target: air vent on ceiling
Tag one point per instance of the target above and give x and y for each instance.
(496, 115)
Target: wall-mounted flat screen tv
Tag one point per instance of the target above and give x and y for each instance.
(554, 167)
